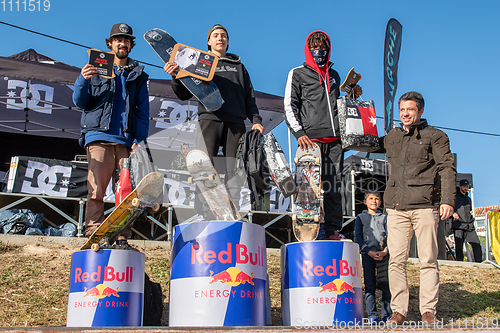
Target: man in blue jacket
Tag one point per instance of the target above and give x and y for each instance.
(115, 120)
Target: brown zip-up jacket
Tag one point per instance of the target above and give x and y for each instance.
(421, 168)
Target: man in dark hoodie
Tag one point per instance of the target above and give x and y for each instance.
(225, 126)
(311, 114)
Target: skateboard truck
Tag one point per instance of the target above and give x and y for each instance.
(295, 219)
(138, 203)
(212, 177)
(103, 244)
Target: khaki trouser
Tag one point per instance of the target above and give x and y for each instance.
(401, 225)
(103, 160)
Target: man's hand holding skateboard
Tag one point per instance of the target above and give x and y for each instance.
(305, 143)
(171, 68)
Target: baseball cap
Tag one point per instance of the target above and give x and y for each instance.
(121, 29)
(464, 182)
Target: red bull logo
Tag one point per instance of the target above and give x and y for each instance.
(233, 276)
(341, 268)
(98, 293)
(239, 255)
(109, 274)
(101, 291)
(338, 286)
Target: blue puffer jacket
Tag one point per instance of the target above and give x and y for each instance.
(96, 97)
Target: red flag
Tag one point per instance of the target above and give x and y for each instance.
(124, 187)
(369, 119)
(361, 121)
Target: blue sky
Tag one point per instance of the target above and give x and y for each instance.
(449, 52)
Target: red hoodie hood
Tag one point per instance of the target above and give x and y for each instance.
(310, 60)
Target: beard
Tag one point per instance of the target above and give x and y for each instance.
(122, 54)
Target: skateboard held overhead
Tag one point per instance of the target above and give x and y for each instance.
(206, 92)
(148, 194)
(308, 199)
(350, 81)
(213, 189)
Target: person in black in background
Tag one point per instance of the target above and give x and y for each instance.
(463, 224)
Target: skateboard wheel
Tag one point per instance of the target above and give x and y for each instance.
(294, 217)
(191, 180)
(212, 177)
(156, 207)
(136, 202)
(296, 160)
(316, 218)
(318, 160)
(94, 247)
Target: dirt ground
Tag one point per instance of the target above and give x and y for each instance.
(34, 283)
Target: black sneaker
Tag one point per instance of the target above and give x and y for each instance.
(122, 244)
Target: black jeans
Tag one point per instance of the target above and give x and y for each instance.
(470, 237)
(211, 134)
(332, 163)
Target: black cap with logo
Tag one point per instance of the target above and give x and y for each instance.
(464, 182)
(121, 29)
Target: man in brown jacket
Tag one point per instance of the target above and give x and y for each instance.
(420, 191)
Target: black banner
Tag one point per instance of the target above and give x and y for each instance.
(43, 176)
(392, 46)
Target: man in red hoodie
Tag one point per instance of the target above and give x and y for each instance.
(311, 114)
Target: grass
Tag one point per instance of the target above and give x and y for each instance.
(34, 284)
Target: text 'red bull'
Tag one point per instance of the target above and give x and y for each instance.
(343, 268)
(242, 255)
(109, 275)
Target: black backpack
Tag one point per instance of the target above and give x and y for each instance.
(153, 303)
(251, 161)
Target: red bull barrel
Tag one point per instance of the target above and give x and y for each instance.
(218, 274)
(321, 284)
(106, 288)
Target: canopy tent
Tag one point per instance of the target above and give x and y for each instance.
(38, 117)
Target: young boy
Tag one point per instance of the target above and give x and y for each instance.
(311, 114)
(371, 235)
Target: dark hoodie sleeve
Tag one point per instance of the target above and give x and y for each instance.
(358, 234)
(180, 91)
(251, 108)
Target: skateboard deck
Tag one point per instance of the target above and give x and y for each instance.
(278, 166)
(149, 193)
(206, 92)
(213, 189)
(350, 81)
(307, 203)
